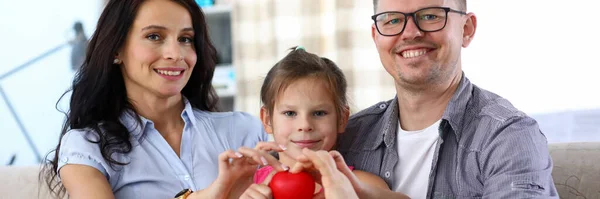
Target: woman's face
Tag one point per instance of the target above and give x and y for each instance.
(158, 55)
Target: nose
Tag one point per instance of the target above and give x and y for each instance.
(305, 125)
(172, 51)
(411, 30)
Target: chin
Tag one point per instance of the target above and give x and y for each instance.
(170, 92)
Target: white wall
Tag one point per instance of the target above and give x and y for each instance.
(542, 55)
(28, 29)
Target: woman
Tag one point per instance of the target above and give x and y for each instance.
(141, 122)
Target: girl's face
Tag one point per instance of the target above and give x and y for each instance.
(304, 116)
(158, 55)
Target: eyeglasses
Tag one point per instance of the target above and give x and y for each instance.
(430, 19)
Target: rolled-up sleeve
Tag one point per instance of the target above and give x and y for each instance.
(76, 149)
(516, 162)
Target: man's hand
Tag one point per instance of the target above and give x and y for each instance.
(330, 171)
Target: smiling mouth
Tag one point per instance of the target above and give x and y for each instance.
(306, 143)
(413, 53)
(168, 72)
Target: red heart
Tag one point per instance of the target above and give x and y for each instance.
(286, 185)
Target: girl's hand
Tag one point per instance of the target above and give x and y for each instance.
(259, 191)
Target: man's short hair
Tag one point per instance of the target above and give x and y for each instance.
(462, 5)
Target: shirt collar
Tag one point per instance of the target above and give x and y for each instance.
(453, 115)
(455, 111)
(188, 113)
(129, 119)
(387, 133)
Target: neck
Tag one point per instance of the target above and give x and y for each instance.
(419, 109)
(165, 113)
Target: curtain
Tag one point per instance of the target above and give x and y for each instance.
(264, 30)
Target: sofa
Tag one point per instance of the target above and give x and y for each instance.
(576, 171)
(22, 182)
(576, 174)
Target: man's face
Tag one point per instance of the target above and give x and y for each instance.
(416, 58)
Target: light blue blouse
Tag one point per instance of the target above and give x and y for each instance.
(154, 170)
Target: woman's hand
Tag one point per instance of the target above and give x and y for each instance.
(236, 170)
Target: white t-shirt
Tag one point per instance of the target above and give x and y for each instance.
(416, 149)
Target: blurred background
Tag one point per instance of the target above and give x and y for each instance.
(538, 54)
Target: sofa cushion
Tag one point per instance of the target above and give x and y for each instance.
(576, 171)
(22, 182)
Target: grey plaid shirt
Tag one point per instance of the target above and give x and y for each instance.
(487, 148)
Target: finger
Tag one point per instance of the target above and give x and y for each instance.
(251, 194)
(300, 166)
(321, 160)
(302, 158)
(270, 146)
(226, 156)
(245, 195)
(320, 195)
(269, 177)
(343, 167)
(264, 190)
(337, 158)
(229, 154)
(302, 163)
(263, 158)
(243, 161)
(256, 191)
(253, 154)
(339, 162)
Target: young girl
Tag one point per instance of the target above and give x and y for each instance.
(305, 106)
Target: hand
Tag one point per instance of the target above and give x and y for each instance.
(303, 163)
(236, 170)
(332, 171)
(260, 191)
(343, 167)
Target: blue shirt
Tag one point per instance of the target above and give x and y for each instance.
(154, 169)
(487, 148)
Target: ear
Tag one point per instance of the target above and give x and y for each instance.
(469, 29)
(117, 60)
(344, 120)
(266, 120)
(374, 33)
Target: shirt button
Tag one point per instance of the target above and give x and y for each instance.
(186, 177)
(387, 174)
(382, 106)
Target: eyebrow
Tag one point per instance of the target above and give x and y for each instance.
(188, 29)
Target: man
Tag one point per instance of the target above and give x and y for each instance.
(442, 136)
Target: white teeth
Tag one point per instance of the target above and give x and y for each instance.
(170, 73)
(413, 53)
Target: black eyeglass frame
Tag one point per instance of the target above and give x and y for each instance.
(414, 17)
